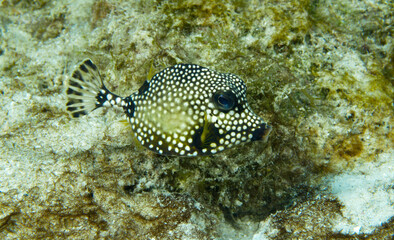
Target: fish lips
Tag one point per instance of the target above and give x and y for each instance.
(262, 132)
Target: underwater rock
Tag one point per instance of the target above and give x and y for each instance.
(319, 72)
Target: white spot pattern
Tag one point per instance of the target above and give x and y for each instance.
(176, 112)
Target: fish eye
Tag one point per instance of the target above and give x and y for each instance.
(224, 100)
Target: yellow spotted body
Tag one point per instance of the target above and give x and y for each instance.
(184, 110)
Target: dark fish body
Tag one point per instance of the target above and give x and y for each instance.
(184, 110)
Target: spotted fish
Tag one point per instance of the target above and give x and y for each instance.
(184, 110)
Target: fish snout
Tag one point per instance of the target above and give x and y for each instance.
(261, 133)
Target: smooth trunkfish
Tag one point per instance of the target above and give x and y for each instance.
(184, 110)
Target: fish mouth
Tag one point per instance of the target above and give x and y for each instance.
(261, 133)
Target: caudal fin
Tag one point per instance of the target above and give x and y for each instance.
(84, 89)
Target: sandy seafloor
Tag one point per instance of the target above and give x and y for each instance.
(320, 72)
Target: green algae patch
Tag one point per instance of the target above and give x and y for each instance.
(347, 149)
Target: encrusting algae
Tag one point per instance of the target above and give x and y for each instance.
(185, 110)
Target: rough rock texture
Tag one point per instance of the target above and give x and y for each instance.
(320, 72)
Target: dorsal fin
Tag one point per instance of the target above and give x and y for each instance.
(144, 87)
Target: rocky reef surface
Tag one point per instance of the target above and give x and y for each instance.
(320, 72)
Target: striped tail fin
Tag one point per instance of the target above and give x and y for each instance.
(84, 88)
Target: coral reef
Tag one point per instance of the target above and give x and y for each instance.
(319, 72)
